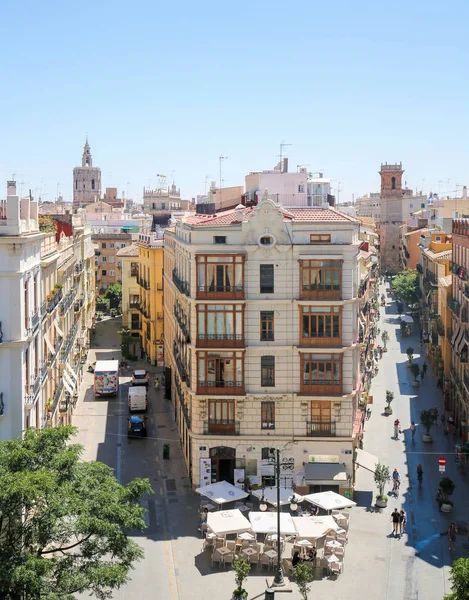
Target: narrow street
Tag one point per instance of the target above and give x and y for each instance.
(174, 567)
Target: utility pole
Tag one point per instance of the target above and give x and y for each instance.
(220, 159)
(338, 191)
(282, 146)
(207, 177)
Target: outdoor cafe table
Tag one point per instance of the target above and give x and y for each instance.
(334, 544)
(333, 558)
(339, 517)
(248, 551)
(272, 554)
(224, 550)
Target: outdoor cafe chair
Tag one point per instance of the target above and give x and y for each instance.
(265, 561)
(339, 552)
(228, 558)
(335, 568)
(254, 559)
(217, 557)
(231, 544)
(219, 542)
(287, 566)
(207, 543)
(342, 539)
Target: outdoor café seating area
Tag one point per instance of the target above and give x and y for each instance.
(245, 531)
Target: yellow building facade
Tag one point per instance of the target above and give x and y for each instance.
(150, 282)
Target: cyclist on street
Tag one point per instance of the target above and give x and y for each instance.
(396, 478)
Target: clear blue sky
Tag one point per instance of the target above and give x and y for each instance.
(171, 86)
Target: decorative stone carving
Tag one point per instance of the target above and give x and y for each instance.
(282, 398)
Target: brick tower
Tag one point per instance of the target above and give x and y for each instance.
(86, 179)
(391, 216)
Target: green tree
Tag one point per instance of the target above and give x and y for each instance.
(415, 370)
(382, 476)
(114, 293)
(459, 578)
(242, 568)
(406, 286)
(303, 577)
(63, 521)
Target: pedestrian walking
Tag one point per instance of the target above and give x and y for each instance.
(452, 531)
(413, 429)
(395, 521)
(157, 384)
(402, 521)
(443, 419)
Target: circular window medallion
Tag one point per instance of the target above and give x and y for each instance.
(266, 240)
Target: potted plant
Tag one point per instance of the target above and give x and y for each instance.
(389, 399)
(427, 420)
(304, 575)
(241, 567)
(410, 355)
(385, 339)
(415, 370)
(49, 405)
(445, 490)
(382, 476)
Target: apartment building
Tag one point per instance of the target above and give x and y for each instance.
(261, 332)
(41, 278)
(457, 389)
(108, 265)
(150, 303)
(131, 294)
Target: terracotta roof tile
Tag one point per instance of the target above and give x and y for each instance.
(131, 250)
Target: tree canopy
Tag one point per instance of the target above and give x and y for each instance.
(406, 286)
(459, 578)
(63, 521)
(114, 292)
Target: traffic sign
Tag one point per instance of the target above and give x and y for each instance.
(442, 461)
(442, 468)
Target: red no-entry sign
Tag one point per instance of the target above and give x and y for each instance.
(442, 461)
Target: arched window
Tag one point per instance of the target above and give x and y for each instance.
(393, 183)
(92, 184)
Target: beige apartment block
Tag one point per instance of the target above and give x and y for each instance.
(108, 265)
(261, 343)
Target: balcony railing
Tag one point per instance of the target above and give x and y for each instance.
(430, 276)
(80, 265)
(58, 344)
(419, 268)
(142, 310)
(69, 342)
(34, 387)
(67, 302)
(33, 323)
(464, 315)
(313, 386)
(466, 381)
(453, 305)
(54, 301)
(58, 392)
(220, 387)
(43, 310)
(182, 324)
(43, 370)
(181, 285)
(320, 429)
(220, 291)
(213, 340)
(134, 304)
(180, 365)
(143, 283)
(221, 427)
(314, 293)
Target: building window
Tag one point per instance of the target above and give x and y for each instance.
(267, 415)
(219, 239)
(135, 321)
(134, 269)
(219, 275)
(220, 322)
(103, 259)
(104, 272)
(111, 273)
(266, 240)
(111, 245)
(92, 184)
(321, 279)
(103, 245)
(320, 238)
(321, 372)
(320, 323)
(111, 259)
(268, 371)
(267, 326)
(393, 183)
(220, 370)
(301, 188)
(76, 184)
(266, 275)
(221, 416)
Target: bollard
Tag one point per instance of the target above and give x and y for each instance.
(269, 594)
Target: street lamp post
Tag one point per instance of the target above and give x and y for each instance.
(279, 574)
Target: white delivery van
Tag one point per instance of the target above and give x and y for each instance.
(106, 378)
(138, 398)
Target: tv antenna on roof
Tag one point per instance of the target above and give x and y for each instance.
(221, 158)
(282, 146)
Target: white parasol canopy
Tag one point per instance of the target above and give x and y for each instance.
(222, 492)
(314, 527)
(224, 522)
(270, 495)
(329, 500)
(267, 523)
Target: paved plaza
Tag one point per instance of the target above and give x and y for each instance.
(376, 564)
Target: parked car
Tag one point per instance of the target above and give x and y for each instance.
(137, 398)
(140, 377)
(137, 427)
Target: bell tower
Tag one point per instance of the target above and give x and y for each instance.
(86, 179)
(391, 216)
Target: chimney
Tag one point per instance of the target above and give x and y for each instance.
(464, 192)
(11, 188)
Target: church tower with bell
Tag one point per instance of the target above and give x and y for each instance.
(86, 180)
(391, 216)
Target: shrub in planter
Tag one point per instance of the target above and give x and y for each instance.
(445, 490)
(427, 420)
(410, 354)
(385, 339)
(242, 568)
(382, 476)
(389, 399)
(415, 370)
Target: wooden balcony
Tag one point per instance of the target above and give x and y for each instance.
(220, 292)
(225, 387)
(320, 342)
(320, 429)
(320, 387)
(221, 427)
(307, 293)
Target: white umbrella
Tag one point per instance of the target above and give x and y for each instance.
(333, 558)
(339, 517)
(329, 500)
(270, 495)
(267, 523)
(314, 527)
(222, 492)
(303, 543)
(334, 544)
(246, 536)
(225, 522)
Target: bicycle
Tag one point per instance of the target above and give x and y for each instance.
(395, 487)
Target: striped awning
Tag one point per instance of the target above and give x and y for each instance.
(456, 333)
(57, 328)
(459, 338)
(49, 344)
(461, 343)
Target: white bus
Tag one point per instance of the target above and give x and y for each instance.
(106, 378)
